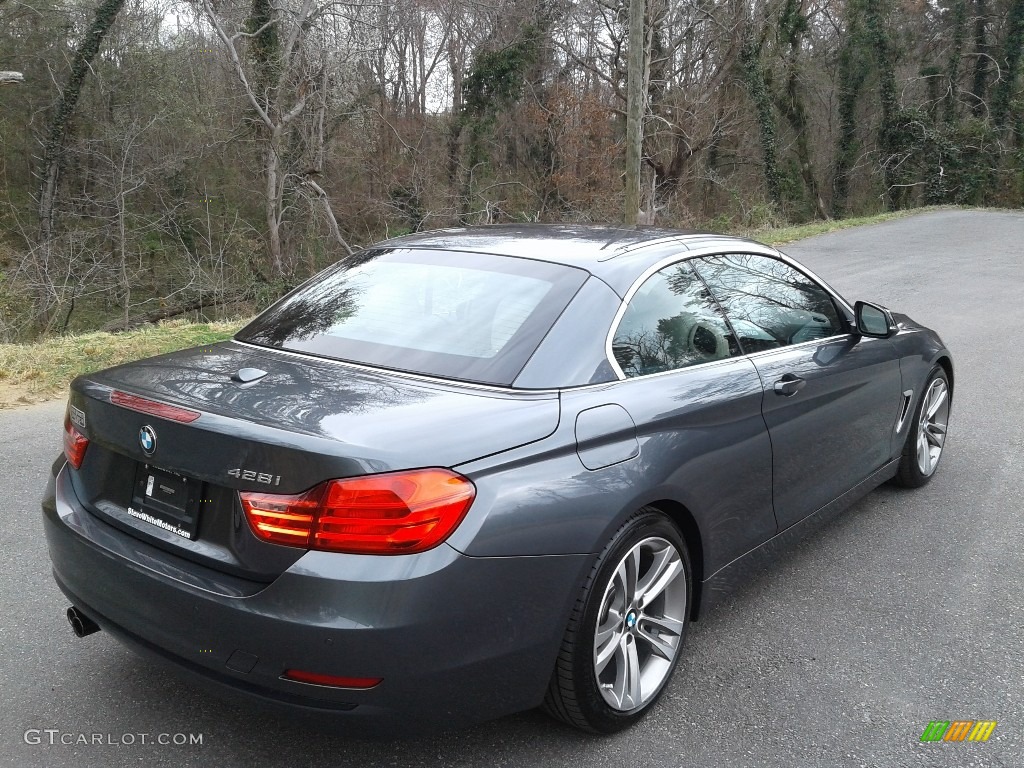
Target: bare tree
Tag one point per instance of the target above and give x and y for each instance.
(278, 83)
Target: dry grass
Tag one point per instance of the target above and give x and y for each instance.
(40, 371)
(783, 235)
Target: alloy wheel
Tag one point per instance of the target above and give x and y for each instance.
(640, 624)
(931, 431)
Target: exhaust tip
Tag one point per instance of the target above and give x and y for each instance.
(81, 624)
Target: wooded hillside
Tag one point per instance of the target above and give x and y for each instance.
(161, 157)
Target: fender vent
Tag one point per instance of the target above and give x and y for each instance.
(908, 397)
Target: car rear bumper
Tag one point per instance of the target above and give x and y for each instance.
(455, 639)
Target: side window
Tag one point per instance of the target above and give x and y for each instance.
(671, 322)
(769, 303)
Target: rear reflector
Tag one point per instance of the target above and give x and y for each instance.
(388, 514)
(153, 408)
(333, 680)
(75, 442)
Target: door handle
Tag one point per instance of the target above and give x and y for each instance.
(789, 385)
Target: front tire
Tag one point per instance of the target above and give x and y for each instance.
(927, 435)
(626, 629)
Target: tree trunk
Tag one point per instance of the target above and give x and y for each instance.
(959, 33)
(982, 60)
(793, 25)
(126, 324)
(885, 60)
(53, 150)
(753, 75)
(853, 71)
(332, 220)
(264, 50)
(273, 205)
(636, 91)
(1011, 56)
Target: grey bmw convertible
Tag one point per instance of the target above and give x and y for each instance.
(470, 472)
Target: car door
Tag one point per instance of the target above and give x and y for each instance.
(831, 396)
(696, 404)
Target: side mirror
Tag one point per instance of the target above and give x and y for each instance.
(874, 321)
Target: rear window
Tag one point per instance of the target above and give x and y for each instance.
(474, 317)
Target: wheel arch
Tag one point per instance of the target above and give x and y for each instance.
(947, 365)
(687, 525)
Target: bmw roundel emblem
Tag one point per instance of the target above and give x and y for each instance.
(147, 439)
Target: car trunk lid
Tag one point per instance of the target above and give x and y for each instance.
(296, 422)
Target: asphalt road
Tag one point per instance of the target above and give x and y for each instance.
(906, 609)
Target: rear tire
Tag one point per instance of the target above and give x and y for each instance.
(926, 437)
(626, 629)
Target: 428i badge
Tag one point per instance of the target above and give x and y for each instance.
(252, 475)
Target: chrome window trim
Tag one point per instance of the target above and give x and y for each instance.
(802, 344)
(708, 364)
(755, 249)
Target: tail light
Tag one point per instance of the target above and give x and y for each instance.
(75, 442)
(387, 514)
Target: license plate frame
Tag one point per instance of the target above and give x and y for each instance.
(166, 500)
